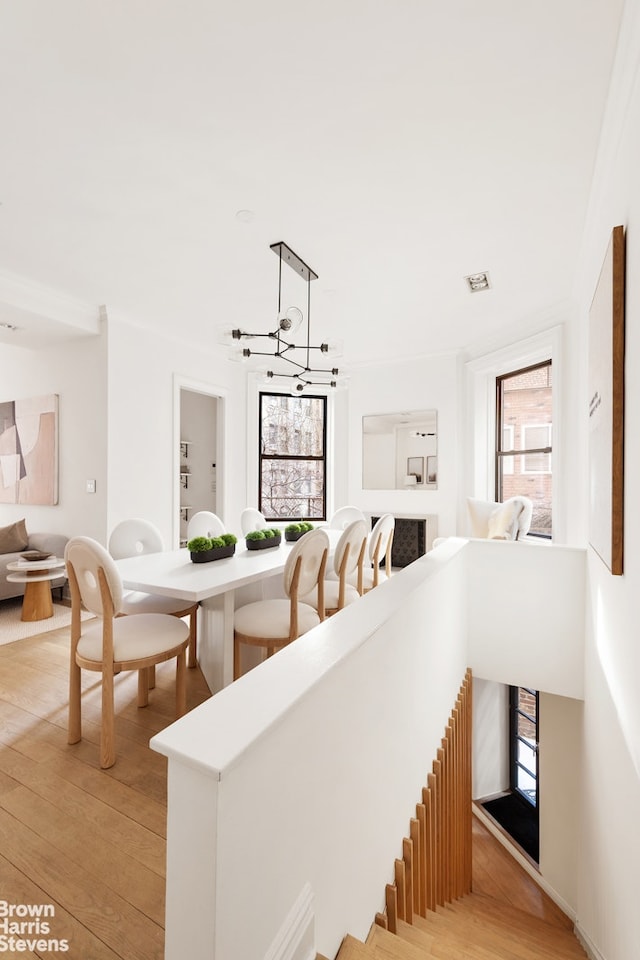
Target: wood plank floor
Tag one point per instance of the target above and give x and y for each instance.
(88, 842)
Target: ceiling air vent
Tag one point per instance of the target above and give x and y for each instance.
(478, 281)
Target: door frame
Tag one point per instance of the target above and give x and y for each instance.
(220, 394)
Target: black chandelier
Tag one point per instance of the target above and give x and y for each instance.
(288, 323)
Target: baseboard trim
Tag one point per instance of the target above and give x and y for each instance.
(585, 942)
(296, 938)
(524, 862)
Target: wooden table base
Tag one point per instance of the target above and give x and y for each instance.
(37, 603)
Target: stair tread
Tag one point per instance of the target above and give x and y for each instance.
(352, 949)
(518, 935)
(387, 946)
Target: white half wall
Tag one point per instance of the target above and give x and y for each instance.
(526, 617)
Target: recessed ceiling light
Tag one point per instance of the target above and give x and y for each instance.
(245, 216)
(478, 281)
(8, 326)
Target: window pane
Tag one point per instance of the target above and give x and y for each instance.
(525, 403)
(292, 488)
(292, 426)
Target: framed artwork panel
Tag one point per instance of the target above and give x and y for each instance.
(606, 407)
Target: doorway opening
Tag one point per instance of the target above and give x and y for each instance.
(198, 432)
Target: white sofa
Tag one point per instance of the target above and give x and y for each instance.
(53, 543)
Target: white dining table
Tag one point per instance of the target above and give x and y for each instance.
(219, 586)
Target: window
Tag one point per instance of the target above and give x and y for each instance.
(292, 459)
(523, 464)
(524, 742)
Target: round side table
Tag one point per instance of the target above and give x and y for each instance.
(37, 576)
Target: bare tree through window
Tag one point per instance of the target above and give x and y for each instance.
(292, 457)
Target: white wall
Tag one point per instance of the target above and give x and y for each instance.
(490, 738)
(76, 371)
(526, 616)
(419, 384)
(560, 767)
(609, 865)
(143, 445)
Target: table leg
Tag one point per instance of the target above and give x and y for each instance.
(37, 603)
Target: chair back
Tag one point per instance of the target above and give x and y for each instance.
(85, 558)
(205, 524)
(251, 519)
(306, 563)
(344, 516)
(132, 537)
(349, 552)
(381, 537)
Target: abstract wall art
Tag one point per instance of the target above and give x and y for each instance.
(29, 450)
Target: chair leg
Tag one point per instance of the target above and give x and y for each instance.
(236, 658)
(181, 684)
(193, 637)
(143, 687)
(75, 708)
(107, 729)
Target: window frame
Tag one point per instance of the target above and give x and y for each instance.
(501, 454)
(294, 457)
(515, 764)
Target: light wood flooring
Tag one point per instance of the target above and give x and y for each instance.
(92, 842)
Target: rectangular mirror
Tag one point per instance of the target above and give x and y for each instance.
(400, 451)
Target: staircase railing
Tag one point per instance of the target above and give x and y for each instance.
(435, 867)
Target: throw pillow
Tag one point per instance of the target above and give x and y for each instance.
(14, 537)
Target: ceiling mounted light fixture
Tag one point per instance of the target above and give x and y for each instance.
(289, 321)
(478, 281)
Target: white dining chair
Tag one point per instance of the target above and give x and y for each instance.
(251, 519)
(348, 561)
(205, 524)
(135, 537)
(274, 623)
(344, 516)
(111, 644)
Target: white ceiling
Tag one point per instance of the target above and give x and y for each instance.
(395, 145)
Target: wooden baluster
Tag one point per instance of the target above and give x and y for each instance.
(418, 866)
(401, 887)
(407, 859)
(391, 901)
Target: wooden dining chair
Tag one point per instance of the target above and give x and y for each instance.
(111, 644)
(379, 553)
(348, 560)
(274, 623)
(135, 537)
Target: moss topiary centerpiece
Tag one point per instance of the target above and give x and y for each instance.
(204, 549)
(262, 539)
(296, 530)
